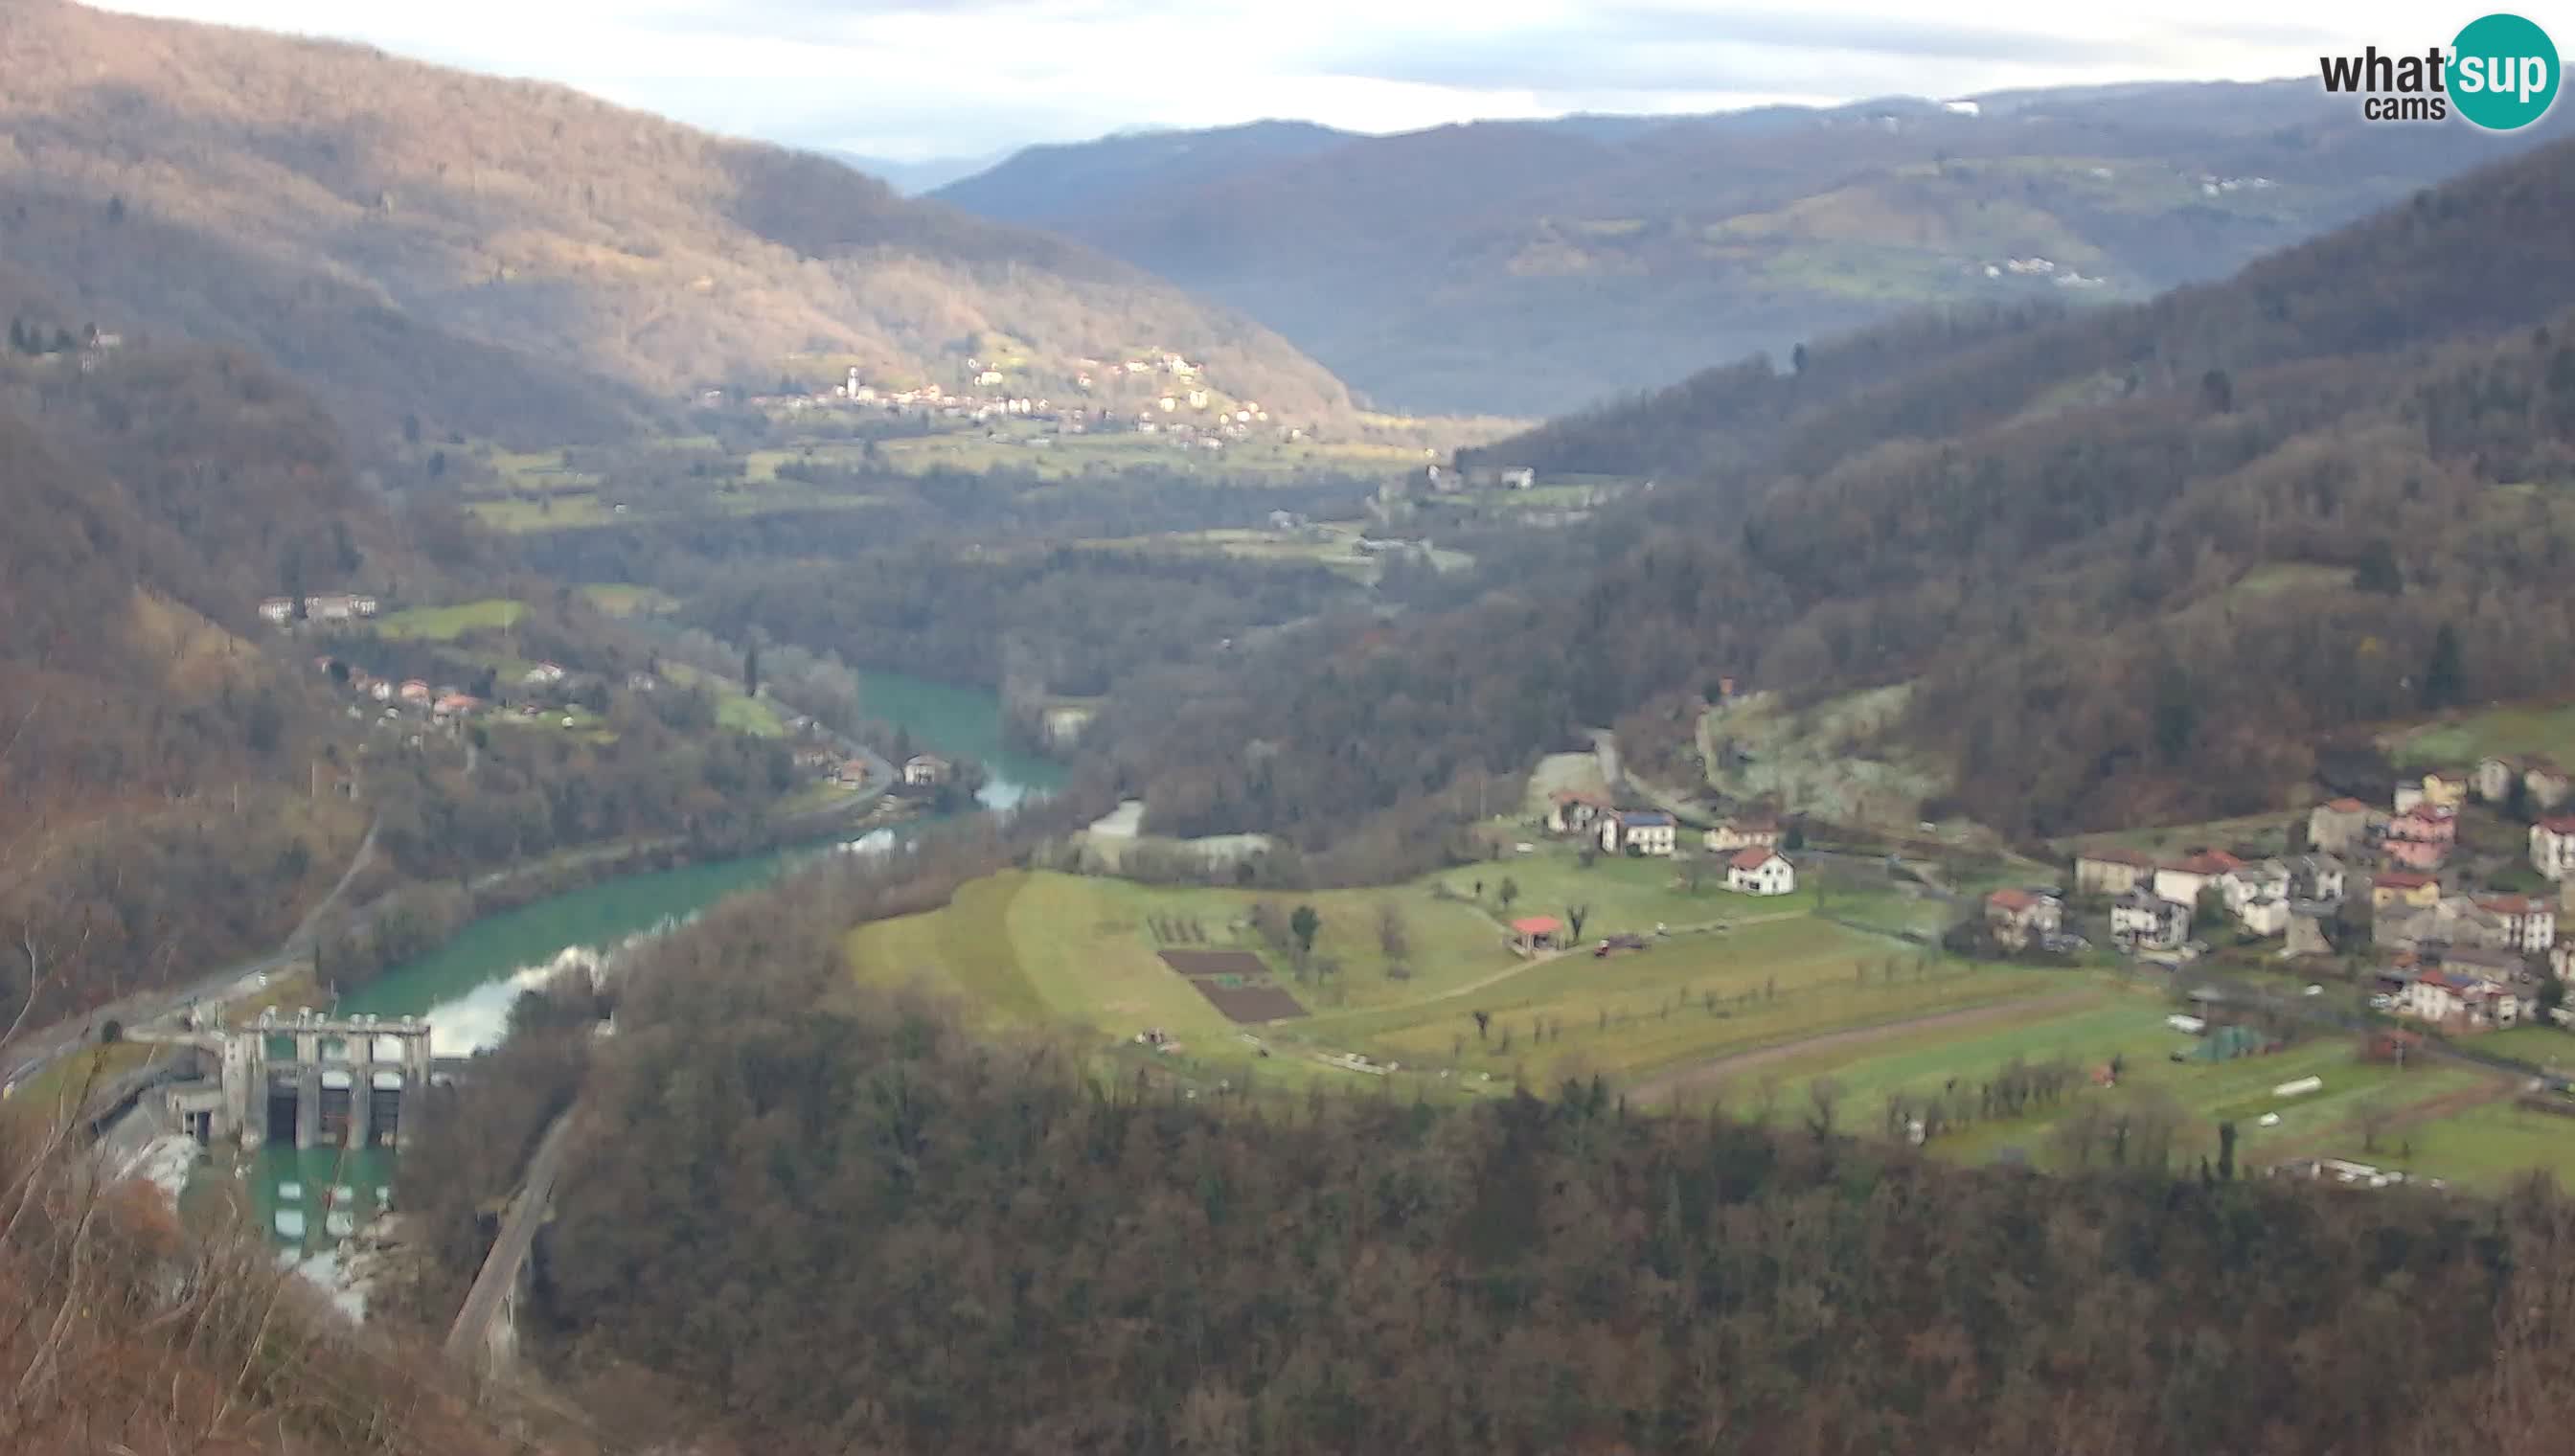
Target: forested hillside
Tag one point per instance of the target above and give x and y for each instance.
(1081, 620)
(516, 260)
(179, 767)
(864, 1229)
(1530, 268)
(2133, 561)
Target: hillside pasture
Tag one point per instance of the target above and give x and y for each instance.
(447, 623)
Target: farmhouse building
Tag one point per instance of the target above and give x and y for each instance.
(1760, 871)
(1638, 832)
(2143, 920)
(2113, 871)
(2184, 880)
(2317, 877)
(2437, 790)
(1744, 831)
(1575, 810)
(2339, 827)
(2529, 924)
(2552, 846)
(2264, 915)
(927, 769)
(2460, 1002)
(2403, 888)
(2019, 916)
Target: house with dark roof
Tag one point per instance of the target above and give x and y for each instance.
(2143, 920)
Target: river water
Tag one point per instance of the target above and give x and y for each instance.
(310, 1200)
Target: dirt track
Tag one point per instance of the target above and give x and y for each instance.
(1675, 1082)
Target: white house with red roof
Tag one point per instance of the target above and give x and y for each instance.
(2460, 1002)
(2019, 916)
(1760, 871)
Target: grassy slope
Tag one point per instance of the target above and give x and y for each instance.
(447, 623)
(1032, 949)
(1041, 949)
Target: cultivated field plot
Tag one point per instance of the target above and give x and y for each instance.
(1237, 983)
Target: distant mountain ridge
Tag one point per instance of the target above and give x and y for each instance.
(1526, 268)
(518, 260)
(1039, 184)
(2122, 565)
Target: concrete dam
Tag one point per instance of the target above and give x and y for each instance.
(306, 1080)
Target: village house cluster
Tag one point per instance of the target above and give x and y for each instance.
(1748, 846)
(2462, 958)
(441, 706)
(1181, 407)
(325, 607)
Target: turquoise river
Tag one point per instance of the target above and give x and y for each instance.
(310, 1200)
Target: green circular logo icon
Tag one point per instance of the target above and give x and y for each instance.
(2503, 72)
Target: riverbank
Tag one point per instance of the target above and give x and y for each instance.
(522, 924)
(430, 916)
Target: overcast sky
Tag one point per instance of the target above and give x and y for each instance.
(915, 79)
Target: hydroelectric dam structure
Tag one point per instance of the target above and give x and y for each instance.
(307, 1081)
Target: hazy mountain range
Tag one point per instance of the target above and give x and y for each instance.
(1530, 266)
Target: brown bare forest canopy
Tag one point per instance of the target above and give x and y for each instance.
(515, 259)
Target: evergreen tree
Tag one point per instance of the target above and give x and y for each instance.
(2377, 569)
(2217, 392)
(2443, 675)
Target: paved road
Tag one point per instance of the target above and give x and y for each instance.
(509, 1249)
(35, 1050)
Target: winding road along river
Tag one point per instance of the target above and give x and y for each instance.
(310, 1200)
